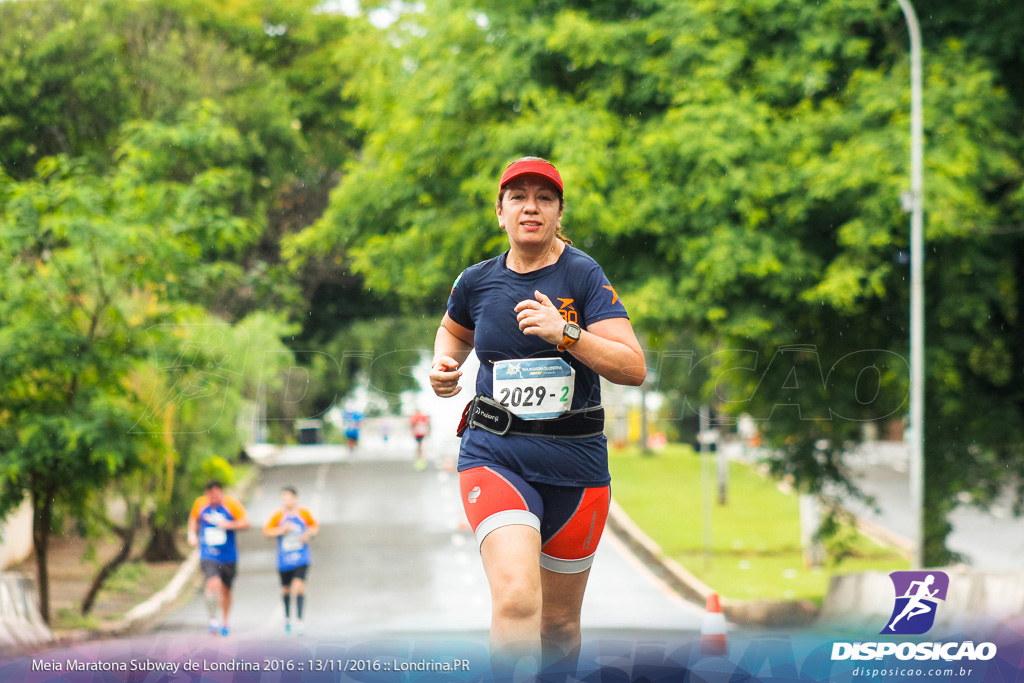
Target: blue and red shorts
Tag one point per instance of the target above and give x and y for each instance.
(570, 519)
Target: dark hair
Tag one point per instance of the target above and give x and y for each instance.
(213, 484)
(561, 200)
(289, 489)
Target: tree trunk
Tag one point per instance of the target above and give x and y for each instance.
(42, 518)
(127, 535)
(161, 546)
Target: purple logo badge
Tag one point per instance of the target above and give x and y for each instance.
(917, 597)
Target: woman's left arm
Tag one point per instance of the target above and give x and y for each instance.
(608, 347)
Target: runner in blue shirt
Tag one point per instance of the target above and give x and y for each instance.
(533, 467)
(293, 525)
(212, 524)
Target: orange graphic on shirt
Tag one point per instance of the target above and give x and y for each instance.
(615, 295)
(566, 310)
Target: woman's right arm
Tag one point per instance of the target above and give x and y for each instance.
(451, 348)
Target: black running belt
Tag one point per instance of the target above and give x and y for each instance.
(485, 413)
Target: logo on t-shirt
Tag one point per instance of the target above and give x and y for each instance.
(567, 311)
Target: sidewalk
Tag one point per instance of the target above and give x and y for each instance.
(72, 569)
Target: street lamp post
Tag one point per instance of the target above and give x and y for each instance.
(916, 284)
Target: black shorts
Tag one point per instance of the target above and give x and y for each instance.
(225, 571)
(288, 574)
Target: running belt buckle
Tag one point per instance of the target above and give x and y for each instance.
(488, 416)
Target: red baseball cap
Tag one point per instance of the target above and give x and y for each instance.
(531, 165)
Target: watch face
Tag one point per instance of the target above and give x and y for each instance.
(572, 331)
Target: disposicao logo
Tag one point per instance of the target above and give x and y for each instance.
(917, 598)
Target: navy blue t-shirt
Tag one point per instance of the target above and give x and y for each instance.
(483, 299)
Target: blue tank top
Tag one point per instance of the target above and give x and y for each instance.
(292, 552)
(215, 543)
(483, 299)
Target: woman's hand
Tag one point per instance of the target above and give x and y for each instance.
(444, 376)
(540, 318)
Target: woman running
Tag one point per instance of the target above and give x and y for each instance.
(533, 466)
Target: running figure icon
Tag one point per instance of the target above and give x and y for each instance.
(916, 604)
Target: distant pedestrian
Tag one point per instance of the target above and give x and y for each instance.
(293, 525)
(353, 423)
(420, 424)
(212, 525)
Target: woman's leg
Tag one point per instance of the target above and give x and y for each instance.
(573, 523)
(511, 559)
(560, 616)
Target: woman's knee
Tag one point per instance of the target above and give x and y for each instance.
(559, 625)
(517, 599)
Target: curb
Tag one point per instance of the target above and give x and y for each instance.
(142, 616)
(168, 594)
(884, 537)
(775, 613)
(21, 625)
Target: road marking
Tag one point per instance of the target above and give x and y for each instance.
(321, 477)
(319, 485)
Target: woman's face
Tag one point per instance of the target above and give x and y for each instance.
(530, 211)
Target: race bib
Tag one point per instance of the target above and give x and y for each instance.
(291, 542)
(535, 388)
(214, 536)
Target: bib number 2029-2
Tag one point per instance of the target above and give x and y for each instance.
(534, 388)
(528, 396)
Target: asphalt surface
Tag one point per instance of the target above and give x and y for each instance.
(395, 558)
(989, 540)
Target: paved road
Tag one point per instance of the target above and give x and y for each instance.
(395, 558)
(396, 583)
(990, 540)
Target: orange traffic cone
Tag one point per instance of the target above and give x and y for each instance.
(712, 628)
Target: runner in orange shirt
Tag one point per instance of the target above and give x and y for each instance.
(212, 523)
(293, 525)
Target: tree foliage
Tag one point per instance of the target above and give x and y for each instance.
(89, 261)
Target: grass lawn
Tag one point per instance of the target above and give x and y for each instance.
(755, 537)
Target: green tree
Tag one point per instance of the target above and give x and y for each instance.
(76, 73)
(199, 378)
(89, 261)
(69, 265)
